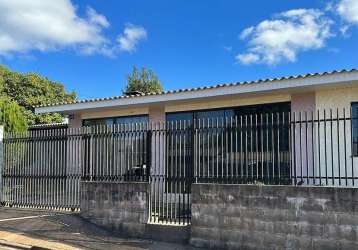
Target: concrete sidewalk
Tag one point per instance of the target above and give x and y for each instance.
(20, 241)
(54, 230)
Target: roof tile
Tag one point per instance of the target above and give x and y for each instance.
(204, 87)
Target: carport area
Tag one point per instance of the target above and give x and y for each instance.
(40, 229)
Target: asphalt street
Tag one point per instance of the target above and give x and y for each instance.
(72, 230)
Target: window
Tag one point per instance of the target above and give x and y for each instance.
(131, 119)
(115, 120)
(355, 128)
(179, 116)
(257, 130)
(97, 122)
(130, 149)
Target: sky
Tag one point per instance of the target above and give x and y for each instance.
(91, 45)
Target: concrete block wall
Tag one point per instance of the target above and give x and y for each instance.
(274, 217)
(121, 207)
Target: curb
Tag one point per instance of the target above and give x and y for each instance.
(17, 246)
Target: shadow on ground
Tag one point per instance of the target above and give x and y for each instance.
(71, 229)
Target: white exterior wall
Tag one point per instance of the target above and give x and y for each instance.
(114, 112)
(328, 152)
(336, 98)
(338, 136)
(226, 102)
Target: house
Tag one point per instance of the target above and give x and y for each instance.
(164, 155)
(319, 94)
(322, 142)
(297, 130)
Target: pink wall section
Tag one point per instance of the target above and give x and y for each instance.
(75, 121)
(302, 106)
(303, 102)
(157, 114)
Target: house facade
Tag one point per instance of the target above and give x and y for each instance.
(164, 157)
(317, 140)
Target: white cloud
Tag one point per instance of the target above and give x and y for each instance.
(52, 25)
(344, 30)
(96, 18)
(348, 10)
(48, 25)
(248, 58)
(131, 36)
(281, 39)
(246, 32)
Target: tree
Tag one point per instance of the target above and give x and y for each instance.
(29, 90)
(11, 116)
(144, 82)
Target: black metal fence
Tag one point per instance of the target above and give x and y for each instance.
(116, 153)
(304, 148)
(245, 149)
(44, 168)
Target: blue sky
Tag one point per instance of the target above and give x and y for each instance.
(91, 45)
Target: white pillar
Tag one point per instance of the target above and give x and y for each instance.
(303, 104)
(157, 168)
(156, 118)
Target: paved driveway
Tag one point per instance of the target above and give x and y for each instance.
(70, 229)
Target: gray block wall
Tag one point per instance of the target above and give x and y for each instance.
(121, 207)
(274, 217)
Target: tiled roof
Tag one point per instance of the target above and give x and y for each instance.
(49, 125)
(204, 88)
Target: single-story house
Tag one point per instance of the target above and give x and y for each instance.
(158, 147)
(321, 94)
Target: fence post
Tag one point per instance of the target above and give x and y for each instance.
(1, 161)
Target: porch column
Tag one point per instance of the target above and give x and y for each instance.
(303, 102)
(156, 113)
(157, 168)
(157, 119)
(74, 146)
(303, 153)
(74, 121)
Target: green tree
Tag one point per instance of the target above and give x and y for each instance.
(12, 116)
(145, 81)
(29, 90)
